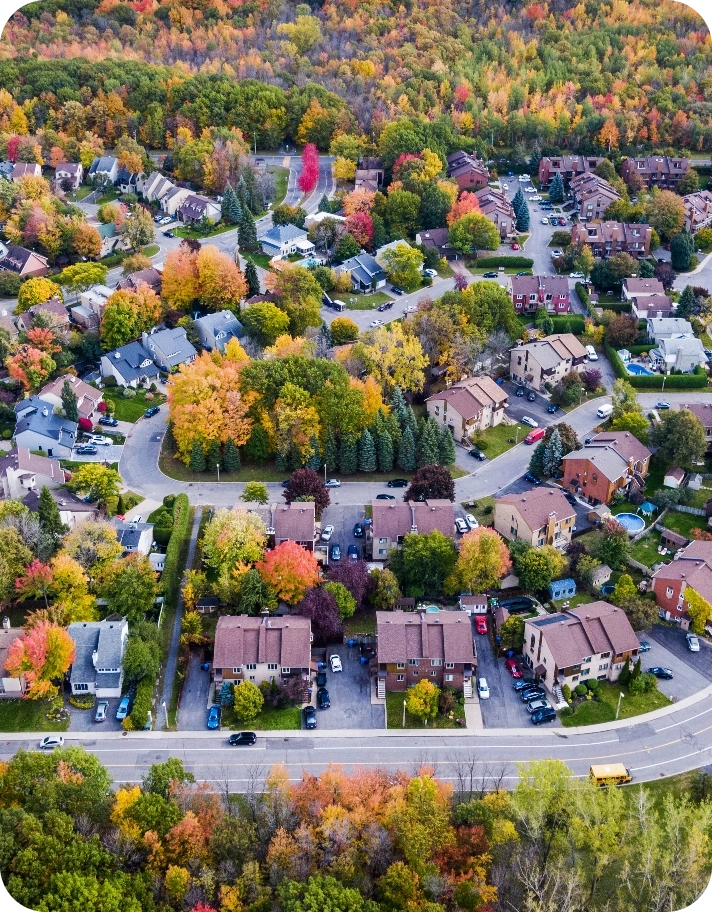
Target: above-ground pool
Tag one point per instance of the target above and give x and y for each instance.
(639, 370)
(515, 605)
(630, 522)
(607, 589)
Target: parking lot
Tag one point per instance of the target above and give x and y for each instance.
(350, 694)
(692, 670)
(343, 517)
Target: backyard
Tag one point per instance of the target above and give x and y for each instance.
(603, 709)
(482, 510)
(131, 409)
(361, 622)
(367, 302)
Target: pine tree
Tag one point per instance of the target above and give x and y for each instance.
(314, 461)
(536, 463)
(447, 454)
(241, 192)
(637, 670)
(348, 456)
(281, 461)
(523, 218)
(556, 190)
(518, 200)
(197, 458)
(214, 457)
(324, 204)
(394, 429)
(411, 422)
(247, 232)
(385, 452)
(399, 406)
(231, 208)
(257, 447)
(428, 449)
(553, 454)
(231, 457)
(366, 453)
(406, 452)
(331, 451)
(252, 279)
(69, 402)
(686, 303)
(534, 159)
(120, 506)
(48, 514)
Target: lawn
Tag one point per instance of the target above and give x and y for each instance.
(444, 270)
(151, 250)
(482, 510)
(192, 233)
(458, 472)
(259, 259)
(508, 270)
(367, 302)
(281, 179)
(27, 716)
(581, 598)
(646, 549)
(361, 622)
(108, 196)
(604, 708)
(394, 713)
(497, 440)
(683, 523)
(174, 468)
(131, 409)
(268, 720)
(80, 193)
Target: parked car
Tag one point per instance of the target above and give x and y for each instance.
(333, 483)
(168, 233)
(86, 450)
(562, 222)
(382, 307)
(575, 275)
(352, 552)
(385, 497)
(523, 272)
(543, 715)
(51, 741)
(571, 499)
(545, 221)
(376, 323)
(398, 483)
(430, 272)
(522, 684)
(100, 440)
(532, 693)
(322, 698)
(154, 410)
(335, 663)
(478, 454)
(515, 247)
(644, 646)
(536, 705)
(471, 521)
(482, 689)
(552, 408)
(102, 708)
(489, 275)
(326, 533)
(659, 672)
(480, 623)
(662, 405)
(520, 391)
(556, 252)
(693, 644)
(309, 714)
(513, 668)
(124, 708)
(530, 422)
(461, 525)
(242, 739)
(336, 552)
(532, 479)
(411, 308)
(531, 397)
(358, 530)
(321, 678)
(396, 290)
(108, 421)
(214, 717)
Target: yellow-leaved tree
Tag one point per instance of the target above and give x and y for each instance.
(698, 608)
(393, 358)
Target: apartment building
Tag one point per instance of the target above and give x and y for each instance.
(656, 170)
(608, 463)
(608, 238)
(529, 293)
(546, 360)
(476, 403)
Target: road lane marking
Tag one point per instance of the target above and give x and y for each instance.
(684, 721)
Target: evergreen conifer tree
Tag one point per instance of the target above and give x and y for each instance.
(247, 232)
(517, 200)
(281, 461)
(331, 451)
(257, 446)
(686, 303)
(252, 279)
(394, 429)
(69, 402)
(411, 422)
(553, 454)
(242, 194)
(348, 456)
(385, 452)
(48, 514)
(120, 506)
(446, 447)
(231, 208)
(534, 159)
(324, 204)
(523, 218)
(231, 457)
(399, 406)
(556, 189)
(536, 463)
(197, 458)
(406, 451)
(428, 449)
(314, 461)
(366, 453)
(214, 457)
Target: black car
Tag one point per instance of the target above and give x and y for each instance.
(552, 408)
(548, 714)
(285, 483)
(532, 479)
(532, 693)
(478, 454)
(239, 739)
(358, 530)
(396, 290)
(385, 497)
(531, 397)
(86, 450)
(571, 499)
(321, 678)
(309, 714)
(382, 307)
(398, 483)
(322, 698)
(108, 421)
(659, 672)
(168, 234)
(523, 273)
(523, 683)
(489, 275)
(154, 410)
(520, 391)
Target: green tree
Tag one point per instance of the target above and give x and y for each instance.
(428, 449)
(636, 424)
(422, 701)
(254, 595)
(48, 514)
(129, 586)
(138, 228)
(386, 591)
(142, 658)
(512, 633)
(402, 265)
(424, 563)
(97, 481)
(252, 279)
(523, 218)
(345, 602)
(624, 400)
(473, 232)
(197, 458)
(686, 303)
(257, 447)
(247, 231)
(553, 454)
(665, 213)
(348, 456)
(406, 452)
(366, 453)
(255, 492)
(556, 189)
(231, 209)
(613, 547)
(214, 456)
(331, 451)
(680, 438)
(231, 456)
(584, 261)
(625, 589)
(321, 892)
(446, 448)
(533, 569)
(346, 248)
(248, 701)
(402, 212)
(82, 276)
(264, 322)
(69, 402)
(682, 247)
(385, 452)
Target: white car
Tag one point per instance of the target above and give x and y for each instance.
(326, 533)
(545, 221)
(51, 741)
(102, 708)
(693, 644)
(505, 186)
(530, 422)
(100, 440)
(471, 521)
(376, 323)
(166, 220)
(482, 689)
(333, 483)
(430, 272)
(411, 309)
(575, 275)
(556, 252)
(461, 525)
(335, 663)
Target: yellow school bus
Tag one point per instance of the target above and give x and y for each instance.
(610, 774)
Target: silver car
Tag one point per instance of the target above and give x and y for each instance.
(538, 704)
(102, 708)
(51, 741)
(693, 644)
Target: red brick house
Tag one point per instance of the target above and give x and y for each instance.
(608, 238)
(611, 462)
(261, 648)
(468, 172)
(568, 166)
(656, 170)
(691, 568)
(417, 646)
(529, 293)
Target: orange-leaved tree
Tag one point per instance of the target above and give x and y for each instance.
(220, 282)
(290, 570)
(41, 655)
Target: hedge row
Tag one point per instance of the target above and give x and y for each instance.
(172, 571)
(619, 307)
(521, 262)
(142, 703)
(672, 382)
(574, 322)
(582, 292)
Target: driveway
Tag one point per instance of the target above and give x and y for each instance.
(104, 454)
(692, 670)
(192, 714)
(82, 720)
(343, 517)
(350, 694)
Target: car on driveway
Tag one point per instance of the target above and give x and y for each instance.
(326, 533)
(513, 668)
(123, 708)
(662, 405)
(385, 497)
(482, 689)
(520, 391)
(376, 323)
(522, 684)
(358, 530)
(398, 483)
(659, 672)
(575, 275)
(531, 397)
(515, 247)
(556, 252)
(108, 421)
(480, 623)
(430, 272)
(543, 715)
(336, 552)
(644, 646)
(523, 273)
(87, 450)
(322, 698)
(532, 693)
(214, 717)
(352, 552)
(102, 708)
(693, 644)
(309, 714)
(530, 422)
(51, 741)
(321, 678)
(536, 705)
(532, 479)
(333, 483)
(100, 440)
(571, 499)
(335, 663)
(489, 275)
(471, 521)
(461, 525)
(154, 410)
(478, 454)
(396, 290)
(242, 739)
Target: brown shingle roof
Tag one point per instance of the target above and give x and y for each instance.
(624, 443)
(240, 639)
(585, 630)
(394, 518)
(294, 521)
(702, 411)
(445, 635)
(470, 396)
(20, 458)
(536, 506)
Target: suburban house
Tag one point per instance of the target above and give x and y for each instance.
(473, 604)
(316, 218)
(73, 172)
(281, 240)
(698, 210)
(155, 186)
(703, 412)
(106, 167)
(437, 239)
(692, 567)
(472, 404)
(609, 462)
(25, 169)
(54, 309)
(641, 288)
(373, 163)
(99, 653)
(586, 642)
(151, 276)
(93, 301)
(669, 328)
(538, 517)
(169, 348)
(195, 208)
(88, 397)
(216, 329)
(26, 263)
(677, 347)
(22, 471)
(73, 511)
(592, 196)
(547, 360)
(392, 520)
(9, 686)
(173, 199)
(414, 646)
(134, 537)
(647, 298)
(127, 181)
(495, 204)
(261, 649)
(7, 323)
(656, 170)
(568, 166)
(468, 172)
(529, 293)
(38, 428)
(608, 238)
(366, 274)
(130, 365)
(367, 179)
(293, 522)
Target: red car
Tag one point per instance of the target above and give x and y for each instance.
(562, 221)
(513, 668)
(481, 623)
(515, 246)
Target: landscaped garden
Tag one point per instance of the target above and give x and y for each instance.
(444, 710)
(29, 716)
(599, 701)
(131, 409)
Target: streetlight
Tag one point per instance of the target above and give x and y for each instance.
(662, 389)
(165, 710)
(516, 440)
(403, 713)
(618, 708)
(217, 466)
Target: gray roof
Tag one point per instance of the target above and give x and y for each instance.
(223, 322)
(129, 362)
(128, 534)
(281, 234)
(173, 343)
(105, 163)
(364, 267)
(103, 638)
(41, 420)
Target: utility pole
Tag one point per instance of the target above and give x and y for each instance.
(217, 466)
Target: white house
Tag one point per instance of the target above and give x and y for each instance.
(38, 428)
(99, 647)
(281, 240)
(69, 171)
(173, 199)
(22, 472)
(134, 537)
(106, 167)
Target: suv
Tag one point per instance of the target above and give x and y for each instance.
(478, 454)
(322, 698)
(693, 644)
(100, 440)
(530, 422)
(154, 410)
(87, 449)
(309, 714)
(543, 715)
(532, 479)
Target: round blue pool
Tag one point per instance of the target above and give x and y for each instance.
(630, 522)
(431, 609)
(607, 589)
(639, 370)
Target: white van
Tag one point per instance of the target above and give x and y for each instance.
(605, 411)
(591, 352)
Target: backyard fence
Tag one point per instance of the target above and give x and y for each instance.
(638, 566)
(696, 511)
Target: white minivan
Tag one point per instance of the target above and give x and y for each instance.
(605, 411)
(591, 352)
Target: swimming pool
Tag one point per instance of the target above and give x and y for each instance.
(522, 603)
(431, 609)
(630, 522)
(607, 589)
(639, 370)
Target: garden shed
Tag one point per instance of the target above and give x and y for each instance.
(561, 589)
(600, 576)
(672, 540)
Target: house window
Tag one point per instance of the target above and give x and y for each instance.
(285, 670)
(603, 667)
(433, 674)
(400, 677)
(605, 655)
(575, 678)
(449, 677)
(81, 687)
(415, 674)
(382, 541)
(251, 666)
(414, 662)
(271, 666)
(252, 677)
(435, 662)
(449, 664)
(585, 671)
(381, 550)
(400, 664)
(587, 659)
(437, 409)
(668, 592)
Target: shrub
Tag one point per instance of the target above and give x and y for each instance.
(149, 397)
(129, 393)
(85, 424)
(580, 690)
(566, 691)
(169, 500)
(592, 685)
(102, 406)
(82, 702)
(446, 701)
(6, 434)
(110, 382)
(142, 702)
(152, 388)
(519, 262)
(566, 711)
(171, 570)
